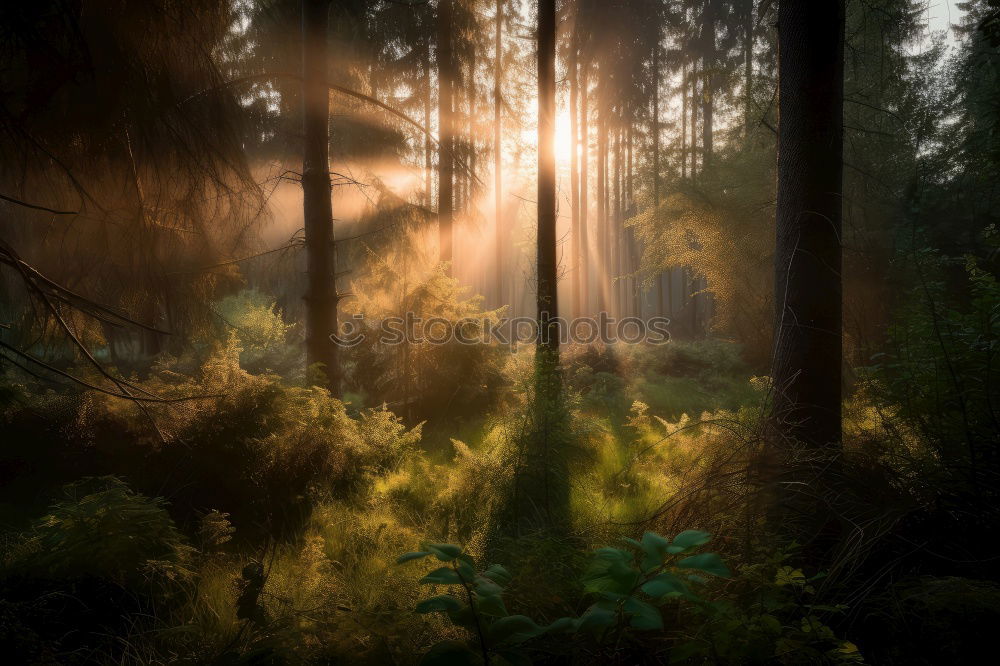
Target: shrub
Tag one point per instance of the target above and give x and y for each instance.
(102, 528)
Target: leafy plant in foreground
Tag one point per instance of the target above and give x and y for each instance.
(629, 583)
(476, 607)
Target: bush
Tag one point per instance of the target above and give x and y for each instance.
(424, 380)
(102, 528)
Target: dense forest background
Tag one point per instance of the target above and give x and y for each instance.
(198, 197)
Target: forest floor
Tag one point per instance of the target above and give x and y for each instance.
(264, 526)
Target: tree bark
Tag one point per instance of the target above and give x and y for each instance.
(574, 176)
(655, 127)
(602, 199)
(748, 67)
(498, 153)
(707, 92)
(446, 140)
(615, 218)
(428, 144)
(806, 367)
(547, 295)
(317, 209)
(584, 152)
(684, 117)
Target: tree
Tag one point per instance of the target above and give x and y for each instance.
(321, 291)
(806, 366)
(547, 296)
(446, 139)
(498, 151)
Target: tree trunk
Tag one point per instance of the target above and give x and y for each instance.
(321, 290)
(428, 144)
(684, 117)
(574, 177)
(707, 93)
(615, 221)
(547, 295)
(694, 119)
(655, 128)
(446, 140)
(655, 125)
(602, 200)
(748, 68)
(470, 143)
(806, 367)
(584, 152)
(498, 154)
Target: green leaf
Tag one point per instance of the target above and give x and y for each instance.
(442, 576)
(466, 571)
(488, 599)
(643, 616)
(463, 617)
(595, 618)
(561, 625)
(451, 653)
(445, 552)
(486, 587)
(497, 574)
(689, 539)
(513, 629)
(654, 548)
(416, 555)
(707, 562)
(611, 571)
(439, 604)
(665, 584)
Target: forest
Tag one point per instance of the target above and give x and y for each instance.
(499, 332)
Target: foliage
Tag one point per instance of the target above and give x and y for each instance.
(103, 528)
(773, 616)
(261, 332)
(424, 378)
(937, 375)
(627, 583)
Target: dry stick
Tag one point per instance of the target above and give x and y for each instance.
(37, 207)
(122, 384)
(68, 296)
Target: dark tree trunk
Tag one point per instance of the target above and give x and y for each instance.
(548, 302)
(498, 153)
(694, 120)
(806, 368)
(428, 144)
(655, 128)
(615, 217)
(684, 117)
(574, 177)
(655, 125)
(707, 92)
(748, 67)
(584, 154)
(446, 140)
(604, 267)
(321, 290)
